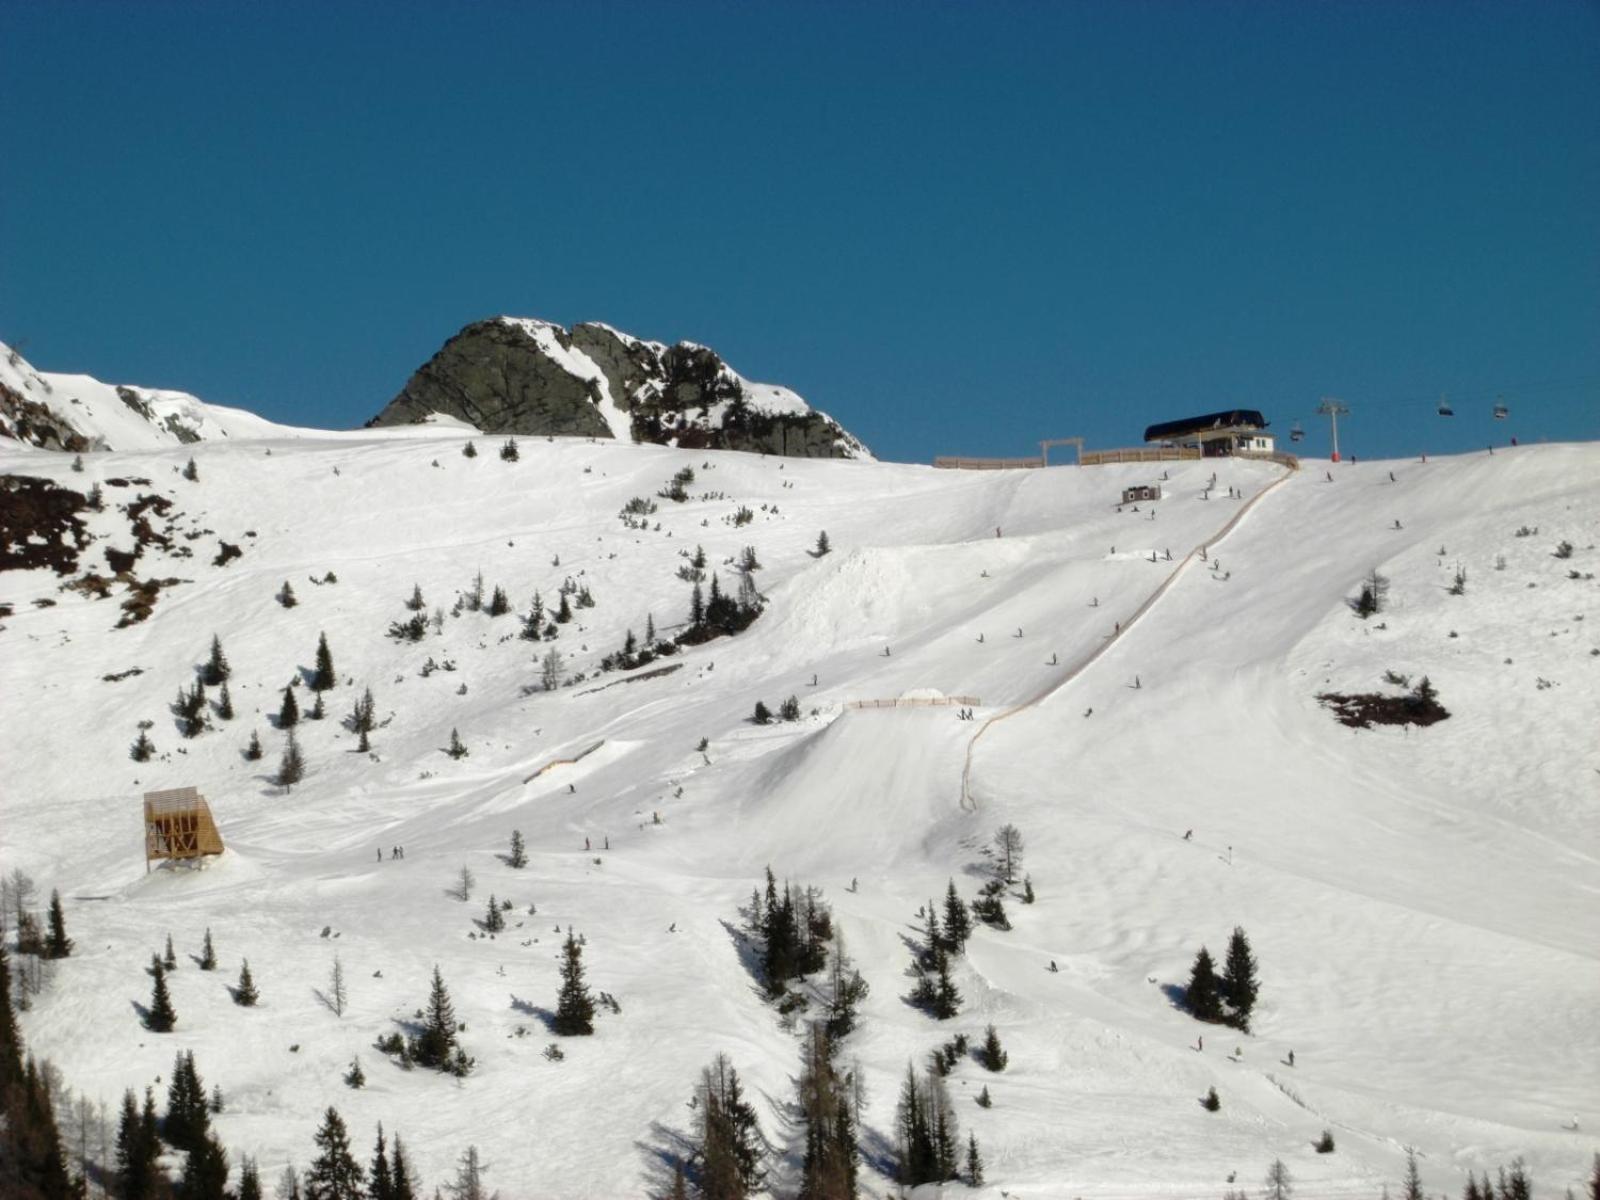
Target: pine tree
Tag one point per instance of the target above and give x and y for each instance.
(380, 1184)
(946, 998)
(762, 714)
(188, 1120)
(249, 1179)
(649, 629)
(1008, 842)
(563, 610)
(404, 1186)
(494, 920)
(1413, 1181)
(846, 990)
(519, 851)
(697, 607)
(334, 1173)
(57, 944)
(415, 604)
(574, 1006)
(1238, 985)
(252, 752)
(133, 1155)
(730, 1137)
(828, 1168)
(322, 678)
(355, 1077)
(469, 450)
(191, 472)
(1211, 1103)
(499, 606)
(245, 994)
(957, 924)
(457, 748)
(225, 704)
(160, 1017)
(291, 767)
(336, 989)
(1203, 995)
(286, 595)
(509, 451)
(823, 545)
(992, 1055)
(169, 958)
(142, 748)
(436, 1044)
(974, 1162)
(289, 710)
(216, 670)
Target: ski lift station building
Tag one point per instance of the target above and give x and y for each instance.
(1215, 435)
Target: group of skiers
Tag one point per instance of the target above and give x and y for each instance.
(394, 852)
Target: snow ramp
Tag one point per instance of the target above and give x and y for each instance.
(857, 796)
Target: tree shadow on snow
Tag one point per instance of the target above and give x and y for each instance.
(1177, 995)
(663, 1153)
(749, 959)
(528, 1009)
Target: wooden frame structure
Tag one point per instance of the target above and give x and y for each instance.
(178, 826)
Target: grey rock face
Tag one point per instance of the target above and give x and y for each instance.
(513, 377)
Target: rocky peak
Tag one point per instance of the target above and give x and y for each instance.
(517, 375)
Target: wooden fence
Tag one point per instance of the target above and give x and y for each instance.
(912, 702)
(953, 463)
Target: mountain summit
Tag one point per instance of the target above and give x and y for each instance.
(521, 375)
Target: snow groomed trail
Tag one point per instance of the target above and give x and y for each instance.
(1117, 634)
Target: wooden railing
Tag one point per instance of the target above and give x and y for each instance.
(1138, 454)
(954, 463)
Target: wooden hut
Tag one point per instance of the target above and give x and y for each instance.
(1141, 491)
(178, 825)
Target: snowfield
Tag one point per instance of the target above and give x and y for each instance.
(1424, 902)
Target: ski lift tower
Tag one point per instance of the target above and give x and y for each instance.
(1333, 409)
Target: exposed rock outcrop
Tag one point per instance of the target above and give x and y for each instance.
(514, 375)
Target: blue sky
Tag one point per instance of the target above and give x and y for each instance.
(958, 227)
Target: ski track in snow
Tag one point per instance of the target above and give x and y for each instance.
(1423, 903)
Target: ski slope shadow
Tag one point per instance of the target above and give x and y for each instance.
(854, 797)
(1122, 630)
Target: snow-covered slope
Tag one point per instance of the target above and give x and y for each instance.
(78, 412)
(1423, 902)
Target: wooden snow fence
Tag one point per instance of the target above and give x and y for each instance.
(178, 826)
(919, 702)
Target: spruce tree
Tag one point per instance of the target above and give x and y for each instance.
(225, 704)
(291, 767)
(469, 450)
(494, 920)
(142, 748)
(380, 1185)
(57, 944)
(957, 924)
(289, 710)
(519, 851)
(828, 1168)
(823, 545)
(245, 994)
(286, 596)
(1239, 986)
(457, 748)
(974, 1162)
(730, 1137)
(169, 958)
(1203, 995)
(252, 752)
(216, 670)
(436, 1044)
(574, 1006)
(160, 1017)
(135, 1174)
(334, 1173)
(322, 678)
(188, 1120)
(400, 1168)
(249, 1179)
(415, 604)
(1413, 1181)
(992, 1055)
(946, 998)
(697, 607)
